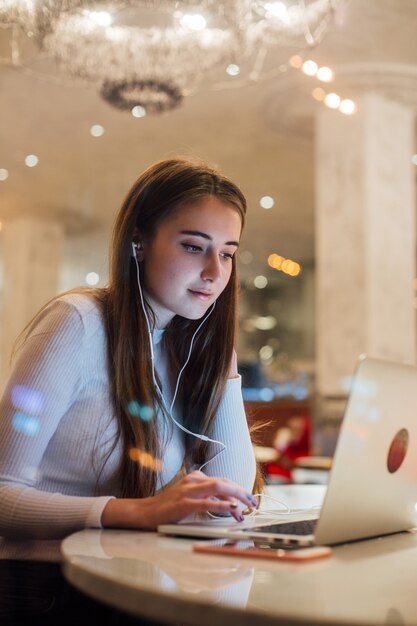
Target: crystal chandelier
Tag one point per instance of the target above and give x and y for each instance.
(148, 66)
(150, 53)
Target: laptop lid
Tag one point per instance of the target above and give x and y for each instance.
(372, 487)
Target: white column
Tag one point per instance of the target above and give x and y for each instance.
(365, 238)
(31, 262)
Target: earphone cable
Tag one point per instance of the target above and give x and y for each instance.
(155, 382)
(286, 509)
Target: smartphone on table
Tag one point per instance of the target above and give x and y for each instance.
(263, 551)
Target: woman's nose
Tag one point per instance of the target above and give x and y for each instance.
(212, 269)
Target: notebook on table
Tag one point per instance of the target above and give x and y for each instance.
(372, 489)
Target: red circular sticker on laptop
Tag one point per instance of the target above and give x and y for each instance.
(397, 450)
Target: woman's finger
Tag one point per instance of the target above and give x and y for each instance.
(203, 505)
(222, 489)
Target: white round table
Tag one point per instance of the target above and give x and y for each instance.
(161, 578)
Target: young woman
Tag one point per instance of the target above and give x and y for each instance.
(124, 406)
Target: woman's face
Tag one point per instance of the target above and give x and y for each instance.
(188, 263)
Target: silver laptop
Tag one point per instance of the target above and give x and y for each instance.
(372, 489)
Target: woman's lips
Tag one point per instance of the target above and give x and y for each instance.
(202, 295)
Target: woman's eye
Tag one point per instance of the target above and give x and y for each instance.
(191, 248)
(227, 255)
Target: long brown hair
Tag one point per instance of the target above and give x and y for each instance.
(160, 190)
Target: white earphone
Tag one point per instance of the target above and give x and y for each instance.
(135, 248)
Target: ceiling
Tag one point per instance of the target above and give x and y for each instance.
(260, 134)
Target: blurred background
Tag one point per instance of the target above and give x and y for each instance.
(309, 105)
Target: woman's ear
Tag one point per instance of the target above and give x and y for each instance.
(139, 252)
(137, 245)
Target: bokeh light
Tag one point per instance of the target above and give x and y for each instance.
(310, 68)
(26, 424)
(97, 130)
(296, 61)
(278, 262)
(260, 281)
(325, 74)
(31, 160)
(92, 278)
(146, 459)
(233, 70)
(27, 400)
(143, 412)
(267, 202)
(332, 100)
(347, 106)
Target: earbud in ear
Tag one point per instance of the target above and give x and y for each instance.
(137, 251)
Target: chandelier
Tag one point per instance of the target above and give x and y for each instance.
(150, 53)
(148, 66)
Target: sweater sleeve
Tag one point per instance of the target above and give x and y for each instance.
(237, 461)
(43, 384)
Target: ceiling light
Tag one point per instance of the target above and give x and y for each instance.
(275, 9)
(97, 130)
(267, 202)
(348, 107)
(101, 18)
(4, 174)
(325, 74)
(233, 69)
(332, 100)
(194, 21)
(175, 55)
(31, 160)
(138, 111)
(310, 68)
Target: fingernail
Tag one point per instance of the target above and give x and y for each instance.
(241, 518)
(253, 499)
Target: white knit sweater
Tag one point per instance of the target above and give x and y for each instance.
(57, 427)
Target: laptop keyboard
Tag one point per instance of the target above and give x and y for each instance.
(304, 527)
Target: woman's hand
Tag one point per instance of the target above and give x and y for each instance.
(195, 493)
